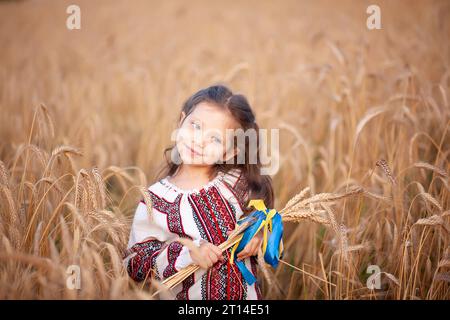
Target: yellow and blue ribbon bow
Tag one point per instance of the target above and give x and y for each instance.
(272, 246)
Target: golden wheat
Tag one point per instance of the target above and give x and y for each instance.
(364, 133)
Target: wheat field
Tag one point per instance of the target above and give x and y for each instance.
(86, 114)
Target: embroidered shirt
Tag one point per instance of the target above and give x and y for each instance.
(204, 214)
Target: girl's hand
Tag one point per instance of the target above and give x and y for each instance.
(252, 247)
(208, 255)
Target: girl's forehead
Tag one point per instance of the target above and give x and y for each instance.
(214, 116)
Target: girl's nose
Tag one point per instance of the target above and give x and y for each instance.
(197, 145)
(203, 142)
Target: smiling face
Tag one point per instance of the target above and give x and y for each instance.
(202, 137)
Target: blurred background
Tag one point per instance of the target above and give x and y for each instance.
(86, 115)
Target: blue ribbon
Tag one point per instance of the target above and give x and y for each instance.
(270, 220)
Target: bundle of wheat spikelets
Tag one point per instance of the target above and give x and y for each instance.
(296, 210)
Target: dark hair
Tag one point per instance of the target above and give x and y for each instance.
(259, 186)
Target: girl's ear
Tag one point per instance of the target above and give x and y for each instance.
(182, 117)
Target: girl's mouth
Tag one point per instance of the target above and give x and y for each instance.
(192, 151)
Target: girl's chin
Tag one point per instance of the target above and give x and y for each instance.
(197, 161)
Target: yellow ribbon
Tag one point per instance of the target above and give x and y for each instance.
(259, 205)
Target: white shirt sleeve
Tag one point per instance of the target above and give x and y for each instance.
(165, 258)
(145, 226)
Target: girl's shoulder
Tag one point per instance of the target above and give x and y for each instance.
(161, 190)
(233, 177)
(237, 183)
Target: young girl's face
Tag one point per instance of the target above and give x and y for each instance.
(204, 138)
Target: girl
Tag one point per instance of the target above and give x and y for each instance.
(205, 190)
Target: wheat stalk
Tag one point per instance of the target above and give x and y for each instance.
(295, 210)
(385, 167)
(234, 237)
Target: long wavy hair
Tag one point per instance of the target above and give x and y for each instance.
(259, 186)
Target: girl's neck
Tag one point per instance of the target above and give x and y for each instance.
(191, 177)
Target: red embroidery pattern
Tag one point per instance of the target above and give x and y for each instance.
(172, 212)
(223, 282)
(214, 216)
(239, 191)
(184, 293)
(173, 251)
(143, 263)
(175, 225)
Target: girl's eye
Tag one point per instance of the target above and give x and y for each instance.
(195, 125)
(216, 140)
